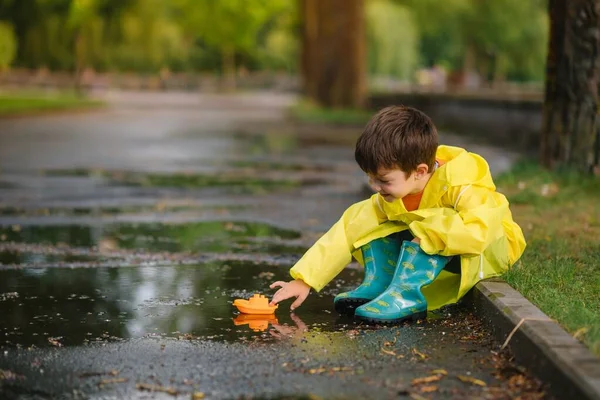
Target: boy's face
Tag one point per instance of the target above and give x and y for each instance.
(394, 184)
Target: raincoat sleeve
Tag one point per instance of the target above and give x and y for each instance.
(333, 251)
(476, 222)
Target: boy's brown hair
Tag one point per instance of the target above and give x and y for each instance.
(397, 137)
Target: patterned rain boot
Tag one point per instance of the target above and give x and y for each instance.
(379, 256)
(403, 300)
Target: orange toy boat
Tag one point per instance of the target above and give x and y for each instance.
(257, 304)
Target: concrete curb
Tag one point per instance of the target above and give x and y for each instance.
(537, 342)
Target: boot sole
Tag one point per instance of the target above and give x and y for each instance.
(412, 317)
(348, 305)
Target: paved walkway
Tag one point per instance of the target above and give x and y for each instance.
(132, 189)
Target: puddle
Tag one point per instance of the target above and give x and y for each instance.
(161, 207)
(9, 257)
(215, 236)
(233, 182)
(64, 306)
(276, 166)
(74, 306)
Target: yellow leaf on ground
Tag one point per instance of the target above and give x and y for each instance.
(426, 379)
(418, 353)
(391, 353)
(580, 332)
(317, 370)
(471, 380)
(428, 389)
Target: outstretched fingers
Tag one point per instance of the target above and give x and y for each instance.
(280, 295)
(277, 284)
(299, 300)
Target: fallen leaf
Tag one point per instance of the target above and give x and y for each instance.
(471, 380)
(111, 381)
(157, 388)
(426, 379)
(580, 332)
(428, 389)
(266, 275)
(9, 375)
(316, 370)
(391, 353)
(418, 353)
(197, 395)
(440, 371)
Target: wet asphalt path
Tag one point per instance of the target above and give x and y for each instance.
(126, 233)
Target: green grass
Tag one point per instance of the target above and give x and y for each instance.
(23, 104)
(560, 269)
(306, 111)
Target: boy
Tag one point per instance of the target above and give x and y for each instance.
(435, 227)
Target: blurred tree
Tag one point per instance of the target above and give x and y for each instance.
(506, 37)
(441, 30)
(333, 52)
(149, 38)
(392, 39)
(500, 38)
(570, 132)
(232, 26)
(8, 46)
(86, 26)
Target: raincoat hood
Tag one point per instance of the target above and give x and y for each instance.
(463, 168)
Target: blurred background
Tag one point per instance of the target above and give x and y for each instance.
(398, 45)
(224, 130)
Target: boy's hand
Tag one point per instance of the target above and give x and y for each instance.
(296, 288)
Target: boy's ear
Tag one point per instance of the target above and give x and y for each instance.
(421, 171)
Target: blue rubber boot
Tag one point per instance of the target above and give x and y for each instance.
(380, 257)
(403, 300)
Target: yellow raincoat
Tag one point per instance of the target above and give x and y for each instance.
(460, 214)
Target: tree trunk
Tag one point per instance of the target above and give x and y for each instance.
(334, 52)
(571, 101)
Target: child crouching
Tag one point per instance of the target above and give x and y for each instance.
(435, 227)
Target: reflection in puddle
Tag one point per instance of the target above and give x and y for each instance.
(257, 323)
(233, 182)
(214, 236)
(74, 306)
(14, 257)
(64, 306)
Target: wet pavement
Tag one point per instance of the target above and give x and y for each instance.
(126, 234)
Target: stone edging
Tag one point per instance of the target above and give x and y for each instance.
(537, 342)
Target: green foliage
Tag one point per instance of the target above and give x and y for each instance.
(32, 103)
(515, 31)
(506, 37)
(8, 45)
(392, 39)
